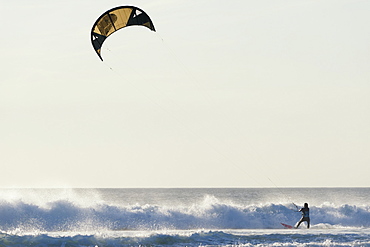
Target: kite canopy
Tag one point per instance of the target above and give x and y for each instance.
(115, 19)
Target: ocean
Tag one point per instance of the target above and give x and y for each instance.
(183, 217)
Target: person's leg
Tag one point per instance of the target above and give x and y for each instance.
(299, 222)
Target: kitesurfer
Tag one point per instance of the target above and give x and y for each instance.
(305, 216)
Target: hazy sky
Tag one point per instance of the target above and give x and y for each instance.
(238, 93)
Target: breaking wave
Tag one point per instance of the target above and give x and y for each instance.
(210, 213)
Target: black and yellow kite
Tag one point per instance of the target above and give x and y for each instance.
(115, 19)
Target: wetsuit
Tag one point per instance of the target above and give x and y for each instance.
(305, 216)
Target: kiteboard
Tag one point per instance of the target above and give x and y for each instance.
(287, 226)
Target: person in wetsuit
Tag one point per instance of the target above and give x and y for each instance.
(305, 215)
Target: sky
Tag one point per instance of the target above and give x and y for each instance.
(243, 93)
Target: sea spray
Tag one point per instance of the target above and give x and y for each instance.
(211, 213)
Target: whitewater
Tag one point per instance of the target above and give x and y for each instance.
(183, 217)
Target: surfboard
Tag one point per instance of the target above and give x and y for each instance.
(287, 226)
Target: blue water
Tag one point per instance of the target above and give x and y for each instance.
(183, 217)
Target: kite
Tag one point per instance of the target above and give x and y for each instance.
(115, 19)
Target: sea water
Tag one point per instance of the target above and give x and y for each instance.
(183, 217)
